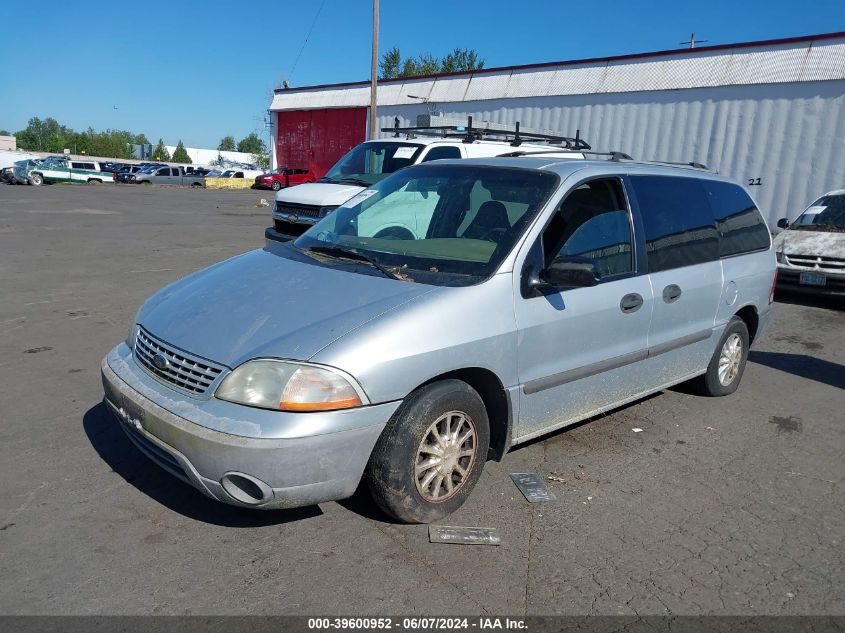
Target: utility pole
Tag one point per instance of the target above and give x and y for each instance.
(374, 74)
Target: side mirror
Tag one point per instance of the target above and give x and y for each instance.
(783, 223)
(570, 274)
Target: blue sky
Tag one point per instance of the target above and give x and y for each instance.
(197, 71)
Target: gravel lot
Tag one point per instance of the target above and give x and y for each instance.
(731, 506)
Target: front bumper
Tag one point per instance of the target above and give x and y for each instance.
(286, 471)
(789, 281)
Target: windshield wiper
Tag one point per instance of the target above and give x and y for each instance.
(354, 181)
(340, 252)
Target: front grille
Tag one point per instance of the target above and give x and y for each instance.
(290, 229)
(830, 264)
(312, 211)
(186, 372)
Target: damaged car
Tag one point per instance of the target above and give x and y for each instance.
(811, 250)
(521, 295)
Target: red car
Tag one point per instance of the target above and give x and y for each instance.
(283, 177)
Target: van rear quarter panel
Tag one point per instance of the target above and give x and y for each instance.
(747, 281)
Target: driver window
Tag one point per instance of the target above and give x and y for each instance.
(592, 223)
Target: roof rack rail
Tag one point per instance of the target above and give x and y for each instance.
(616, 156)
(447, 127)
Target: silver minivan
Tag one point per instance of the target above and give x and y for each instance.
(524, 295)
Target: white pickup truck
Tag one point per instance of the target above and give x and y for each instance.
(299, 208)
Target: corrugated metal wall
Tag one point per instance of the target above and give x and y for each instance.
(789, 136)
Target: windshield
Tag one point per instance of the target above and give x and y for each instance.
(443, 225)
(368, 163)
(825, 214)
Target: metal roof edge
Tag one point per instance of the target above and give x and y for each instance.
(575, 62)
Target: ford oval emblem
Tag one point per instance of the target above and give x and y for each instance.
(160, 362)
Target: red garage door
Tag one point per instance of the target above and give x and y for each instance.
(316, 139)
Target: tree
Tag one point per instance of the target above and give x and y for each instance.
(5, 133)
(459, 60)
(251, 144)
(390, 63)
(160, 152)
(180, 155)
(140, 139)
(227, 144)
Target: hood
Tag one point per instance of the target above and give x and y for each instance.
(818, 243)
(263, 304)
(318, 193)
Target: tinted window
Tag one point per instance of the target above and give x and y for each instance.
(592, 224)
(741, 227)
(174, 171)
(446, 151)
(679, 225)
(164, 171)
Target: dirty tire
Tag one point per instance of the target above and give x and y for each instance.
(36, 180)
(709, 384)
(391, 471)
(94, 181)
(276, 185)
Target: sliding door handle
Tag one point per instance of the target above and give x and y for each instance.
(631, 303)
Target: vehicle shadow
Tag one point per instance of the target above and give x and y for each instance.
(810, 300)
(801, 365)
(112, 445)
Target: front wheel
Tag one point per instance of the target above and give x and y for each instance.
(36, 180)
(431, 453)
(95, 182)
(276, 185)
(728, 361)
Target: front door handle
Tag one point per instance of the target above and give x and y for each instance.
(671, 293)
(631, 303)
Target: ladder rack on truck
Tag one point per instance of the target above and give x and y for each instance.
(447, 127)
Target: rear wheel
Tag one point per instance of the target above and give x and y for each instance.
(94, 181)
(36, 179)
(728, 361)
(431, 453)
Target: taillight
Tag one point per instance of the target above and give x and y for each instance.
(772, 292)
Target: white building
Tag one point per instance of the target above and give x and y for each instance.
(770, 114)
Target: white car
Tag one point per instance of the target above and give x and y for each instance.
(811, 250)
(251, 174)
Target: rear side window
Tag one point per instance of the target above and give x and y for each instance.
(679, 226)
(439, 153)
(741, 227)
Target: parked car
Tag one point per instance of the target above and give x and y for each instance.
(283, 177)
(811, 250)
(533, 293)
(127, 173)
(22, 167)
(60, 169)
(168, 176)
(241, 173)
(300, 208)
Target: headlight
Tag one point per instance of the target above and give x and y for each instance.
(289, 386)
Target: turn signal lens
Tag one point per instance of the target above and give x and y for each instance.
(315, 389)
